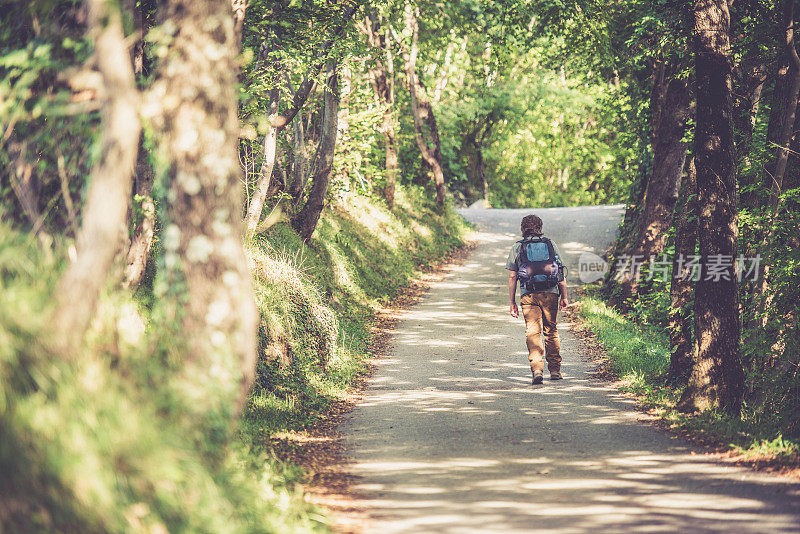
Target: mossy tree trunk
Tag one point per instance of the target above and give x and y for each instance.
(202, 234)
(717, 378)
(669, 156)
(306, 221)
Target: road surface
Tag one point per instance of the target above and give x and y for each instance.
(451, 437)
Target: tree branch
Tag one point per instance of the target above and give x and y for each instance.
(304, 89)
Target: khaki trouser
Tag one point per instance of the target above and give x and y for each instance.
(540, 311)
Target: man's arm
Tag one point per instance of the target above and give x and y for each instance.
(562, 284)
(512, 292)
(562, 290)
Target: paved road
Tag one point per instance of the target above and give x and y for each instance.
(452, 438)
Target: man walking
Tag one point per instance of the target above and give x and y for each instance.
(534, 263)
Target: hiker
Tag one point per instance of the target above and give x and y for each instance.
(534, 263)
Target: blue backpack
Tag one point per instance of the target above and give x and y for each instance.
(540, 268)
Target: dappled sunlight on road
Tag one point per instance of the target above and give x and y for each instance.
(451, 437)
(630, 490)
(462, 494)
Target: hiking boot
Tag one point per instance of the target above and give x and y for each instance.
(556, 376)
(538, 378)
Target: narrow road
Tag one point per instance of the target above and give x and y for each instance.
(451, 437)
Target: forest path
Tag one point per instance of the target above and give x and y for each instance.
(451, 437)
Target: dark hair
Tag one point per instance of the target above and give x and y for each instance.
(531, 224)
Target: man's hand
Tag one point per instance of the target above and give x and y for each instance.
(514, 310)
(562, 290)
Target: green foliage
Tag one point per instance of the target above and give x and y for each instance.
(48, 128)
(359, 161)
(560, 151)
(771, 329)
(559, 105)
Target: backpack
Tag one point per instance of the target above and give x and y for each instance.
(539, 265)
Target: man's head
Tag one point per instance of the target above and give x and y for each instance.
(531, 225)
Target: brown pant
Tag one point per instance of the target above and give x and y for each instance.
(540, 311)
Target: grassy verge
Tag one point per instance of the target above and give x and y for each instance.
(639, 356)
(319, 301)
(101, 443)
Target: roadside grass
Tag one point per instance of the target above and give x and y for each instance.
(639, 356)
(319, 301)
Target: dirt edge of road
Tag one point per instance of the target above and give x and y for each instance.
(701, 442)
(320, 451)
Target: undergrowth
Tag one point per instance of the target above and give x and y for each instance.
(99, 443)
(639, 356)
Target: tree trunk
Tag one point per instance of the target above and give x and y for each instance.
(746, 108)
(300, 160)
(203, 251)
(433, 131)
(265, 173)
(792, 178)
(66, 194)
(139, 250)
(467, 152)
(481, 168)
(421, 107)
(657, 95)
(669, 156)
(446, 67)
(784, 107)
(306, 221)
(680, 318)
(717, 378)
(138, 11)
(783, 112)
(105, 209)
(238, 7)
(383, 86)
(627, 230)
(477, 185)
(636, 201)
(23, 183)
(392, 161)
